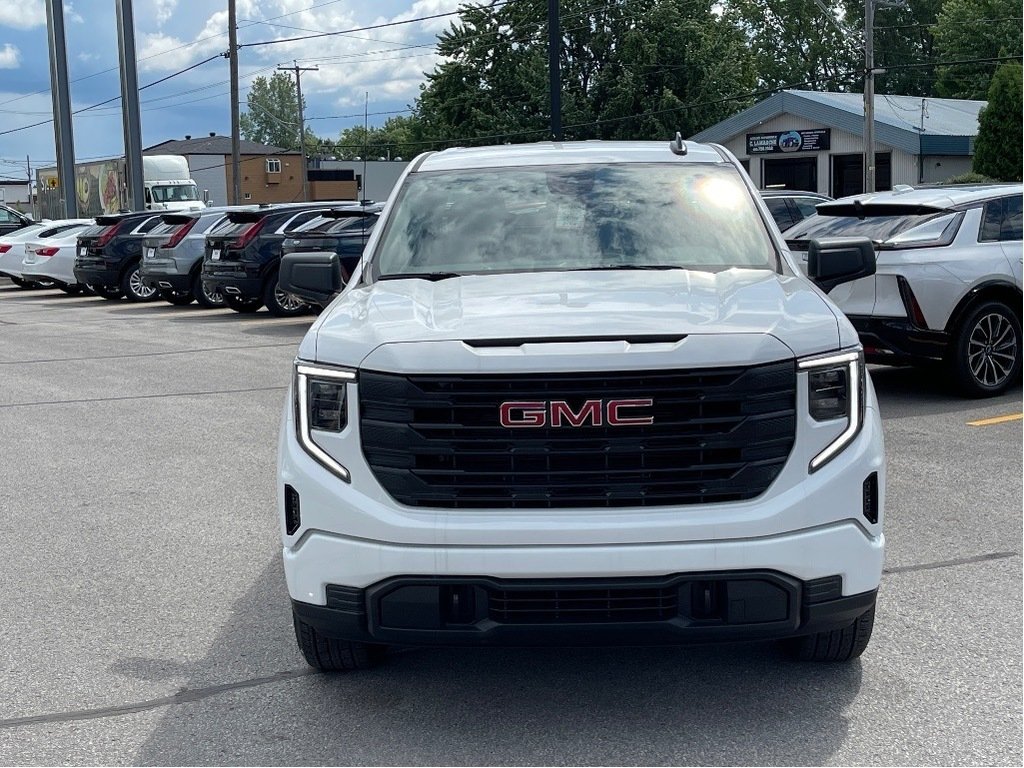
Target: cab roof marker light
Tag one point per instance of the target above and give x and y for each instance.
(302, 374)
(853, 361)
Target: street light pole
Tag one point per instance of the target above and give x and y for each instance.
(236, 179)
(61, 95)
(869, 95)
(554, 70)
(302, 122)
(130, 105)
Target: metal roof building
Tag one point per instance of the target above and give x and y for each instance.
(814, 141)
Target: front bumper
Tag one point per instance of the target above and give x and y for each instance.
(681, 608)
(896, 341)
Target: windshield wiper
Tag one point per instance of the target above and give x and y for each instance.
(432, 276)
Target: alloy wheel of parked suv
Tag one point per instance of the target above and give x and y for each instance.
(133, 287)
(280, 303)
(987, 350)
(205, 298)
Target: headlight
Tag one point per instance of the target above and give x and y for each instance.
(835, 390)
(321, 403)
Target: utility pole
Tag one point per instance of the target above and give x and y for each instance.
(869, 96)
(28, 175)
(130, 104)
(554, 70)
(63, 135)
(236, 178)
(302, 122)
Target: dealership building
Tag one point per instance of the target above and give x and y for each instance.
(813, 141)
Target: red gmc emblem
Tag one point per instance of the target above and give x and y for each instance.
(558, 413)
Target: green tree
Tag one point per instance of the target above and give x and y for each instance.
(272, 115)
(997, 150)
(903, 35)
(974, 29)
(800, 42)
(630, 69)
(396, 138)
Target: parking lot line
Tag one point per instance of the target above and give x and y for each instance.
(996, 420)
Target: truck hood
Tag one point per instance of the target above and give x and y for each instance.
(562, 306)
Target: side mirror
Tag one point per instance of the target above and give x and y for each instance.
(315, 278)
(840, 260)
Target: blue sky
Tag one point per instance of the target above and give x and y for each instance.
(172, 34)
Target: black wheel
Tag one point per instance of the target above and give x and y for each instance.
(985, 353)
(281, 304)
(330, 655)
(108, 292)
(205, 298)
(239, 304)
(133, 288)
(71, 290)
(21, 282)
(835, 645)
(177, 298)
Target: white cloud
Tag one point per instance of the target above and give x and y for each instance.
(10, 57)
(164, 10)
(24, 14)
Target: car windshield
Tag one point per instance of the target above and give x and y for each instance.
(173, 193)
(561, 218)
(877, 228)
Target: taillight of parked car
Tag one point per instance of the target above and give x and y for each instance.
(247, 236)
(4, 248)
(47, 252)
(107, 235)
(179, 234)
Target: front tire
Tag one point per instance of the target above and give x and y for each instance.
(245, 306)
(844, 644)
(133, 288)
(985, 357)
(281, 304)
(330, 655)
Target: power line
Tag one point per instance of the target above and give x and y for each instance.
(113, 98)
(959, 21)
(370, 28)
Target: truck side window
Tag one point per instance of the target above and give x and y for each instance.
(149, 197)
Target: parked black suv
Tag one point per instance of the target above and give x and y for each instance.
(243, 254)
(343, 231)
(791, 206)
(11, 220)
(109, 254)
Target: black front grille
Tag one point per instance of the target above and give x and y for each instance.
(570, 606)
(718, 434)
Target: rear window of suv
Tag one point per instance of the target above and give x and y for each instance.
(877, 228)
(561, 218)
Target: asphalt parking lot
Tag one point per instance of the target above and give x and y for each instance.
(146, 621)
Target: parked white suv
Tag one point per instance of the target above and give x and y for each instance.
(948, 287)
(578, 393)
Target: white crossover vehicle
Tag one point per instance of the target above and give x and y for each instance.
(53, 258)
(12, 248)
(579, 393)
(948, 286)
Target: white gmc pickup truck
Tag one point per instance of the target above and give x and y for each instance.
(580, 393)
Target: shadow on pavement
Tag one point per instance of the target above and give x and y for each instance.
(927, 391)
(736, 704)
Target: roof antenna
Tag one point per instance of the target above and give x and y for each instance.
(677, 145)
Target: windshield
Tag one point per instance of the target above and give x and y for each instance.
(877, 228)
(173, 193)
(694, 216)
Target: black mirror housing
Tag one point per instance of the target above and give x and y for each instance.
(836, 261)
(316, 278)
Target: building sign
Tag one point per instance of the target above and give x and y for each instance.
(789, 141)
